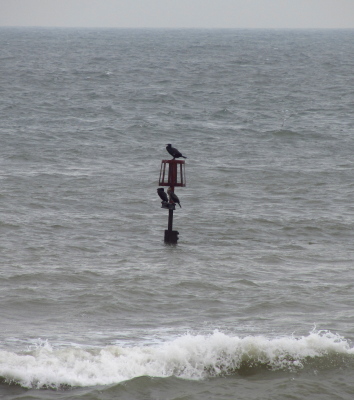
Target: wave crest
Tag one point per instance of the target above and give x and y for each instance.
(188, 357)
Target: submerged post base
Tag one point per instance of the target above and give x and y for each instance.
(171, 236)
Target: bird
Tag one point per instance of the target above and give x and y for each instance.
(173, 197)
(174, 152)
(162, 194)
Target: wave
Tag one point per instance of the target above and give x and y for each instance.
(193, 357)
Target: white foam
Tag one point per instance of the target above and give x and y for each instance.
(188, 356)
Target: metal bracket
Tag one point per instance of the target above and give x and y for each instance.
(168, 206)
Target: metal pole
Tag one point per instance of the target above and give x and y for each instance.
(170, 220)
(170, 235)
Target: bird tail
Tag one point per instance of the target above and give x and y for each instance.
(179, 205)
(184, 157)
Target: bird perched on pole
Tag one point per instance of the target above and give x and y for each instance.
(162, 194)
(173, 197)
(174, 152)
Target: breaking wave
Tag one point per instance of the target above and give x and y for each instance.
(189, 357)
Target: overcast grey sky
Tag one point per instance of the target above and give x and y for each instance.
(179, 13)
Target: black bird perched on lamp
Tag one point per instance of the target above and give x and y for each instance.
(162, 194)
(173, 196)
(174, 152)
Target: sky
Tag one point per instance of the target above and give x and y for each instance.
(277, 14)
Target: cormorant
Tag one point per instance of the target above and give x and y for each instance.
(162, 194)
(174, 152)
(173, 196)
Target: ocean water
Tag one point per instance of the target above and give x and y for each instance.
(256, 299)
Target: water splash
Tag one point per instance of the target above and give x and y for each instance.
(189, 357)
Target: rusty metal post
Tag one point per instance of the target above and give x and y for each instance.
(173, 179)
(170, 220)
(171, 236)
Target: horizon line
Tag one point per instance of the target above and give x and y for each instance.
(174, 28)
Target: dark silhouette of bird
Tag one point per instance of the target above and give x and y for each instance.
(173, 197)
(162, 194)
(174, 152)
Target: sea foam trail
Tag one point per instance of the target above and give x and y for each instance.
(188, 357)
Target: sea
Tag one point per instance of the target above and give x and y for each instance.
(256, 300)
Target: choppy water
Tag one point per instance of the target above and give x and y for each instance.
(256, 300)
